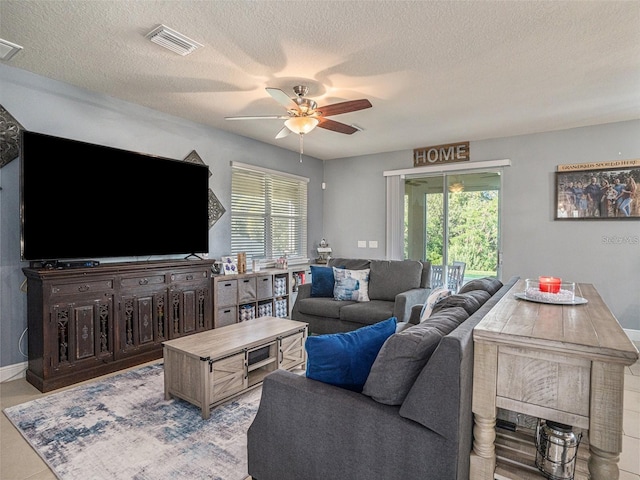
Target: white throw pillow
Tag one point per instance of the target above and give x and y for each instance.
(434, 297)
(351, 284)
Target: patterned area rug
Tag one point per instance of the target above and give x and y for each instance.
(122, 428)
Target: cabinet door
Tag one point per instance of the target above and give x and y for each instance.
(83, 333)
(190, 310)
(143, 321)
(228, 376)
(292, 351)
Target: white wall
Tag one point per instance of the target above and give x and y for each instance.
(47, 106)
(532, 242)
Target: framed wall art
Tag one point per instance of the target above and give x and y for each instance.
(598, 194)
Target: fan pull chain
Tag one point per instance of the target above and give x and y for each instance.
(301, 147)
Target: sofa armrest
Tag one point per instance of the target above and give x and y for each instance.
(309, 429)
(304, 291)
(406, 300)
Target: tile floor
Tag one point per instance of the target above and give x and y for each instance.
(18, 461)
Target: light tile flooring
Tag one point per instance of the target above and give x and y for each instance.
(18, 461)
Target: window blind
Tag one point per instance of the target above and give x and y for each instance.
(268, 213)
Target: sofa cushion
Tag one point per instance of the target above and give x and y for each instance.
(470, 301)
(350, 263)
(404, 355)
(367, 312)
(433, 298)
(345, 359)
(322, 307)
(391, 277)
(322, 281)
(351, 284)
(488, 284)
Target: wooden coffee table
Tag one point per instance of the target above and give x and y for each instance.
(210, 367)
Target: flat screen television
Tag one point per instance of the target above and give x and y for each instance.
(85, 201)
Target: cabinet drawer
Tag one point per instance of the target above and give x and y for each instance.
(246, 290)
(82, 287)
(538, 378)
(139, 281)
(226, 316)
(227, 292)
(189, 276)
(264, 287)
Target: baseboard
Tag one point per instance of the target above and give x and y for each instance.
(13, 372)
(634, 335)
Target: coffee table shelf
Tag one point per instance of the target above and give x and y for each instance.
(209, 368)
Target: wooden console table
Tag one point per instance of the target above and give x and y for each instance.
(211, 367)
(563, 363)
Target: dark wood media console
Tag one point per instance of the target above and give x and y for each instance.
(86, 322)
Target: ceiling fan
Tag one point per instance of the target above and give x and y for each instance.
(303, 114)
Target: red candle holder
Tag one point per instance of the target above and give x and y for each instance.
(549, 284)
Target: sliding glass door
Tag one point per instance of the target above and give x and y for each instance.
(452, 219)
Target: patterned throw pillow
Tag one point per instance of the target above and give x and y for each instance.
(434, 297)
(351, 284)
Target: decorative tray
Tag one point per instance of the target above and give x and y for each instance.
(548, 298)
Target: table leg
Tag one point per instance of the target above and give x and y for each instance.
(483, 457)
(485, 371)
(605, 423)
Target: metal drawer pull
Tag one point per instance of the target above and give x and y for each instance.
(84, 288)
(143, 281)
(189, 277)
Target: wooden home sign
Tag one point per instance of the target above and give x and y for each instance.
(449, 153)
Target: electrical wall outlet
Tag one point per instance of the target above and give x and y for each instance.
(373, 244)
(362, 244)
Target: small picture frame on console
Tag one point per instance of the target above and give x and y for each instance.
(229, 265)
(605, 194)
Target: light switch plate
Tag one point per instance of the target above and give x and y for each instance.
(362, 244)
(373, 244)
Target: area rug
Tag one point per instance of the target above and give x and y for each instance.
(122, 428)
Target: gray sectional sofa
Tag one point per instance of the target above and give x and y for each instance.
(395, 286)
(413, 419)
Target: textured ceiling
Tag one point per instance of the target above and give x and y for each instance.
(435, 71)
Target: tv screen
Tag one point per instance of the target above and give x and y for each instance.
(86, 201)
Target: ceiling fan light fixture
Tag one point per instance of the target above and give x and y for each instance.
(301, 125)
(456, 187)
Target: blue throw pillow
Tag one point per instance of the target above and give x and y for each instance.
(345, 359)
(322, 281)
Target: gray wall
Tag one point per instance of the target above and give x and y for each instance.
(55, 108)
(532, 242)
(354, 199)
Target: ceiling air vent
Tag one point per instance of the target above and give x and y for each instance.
(174, 41)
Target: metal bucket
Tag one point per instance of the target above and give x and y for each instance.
(556, 450)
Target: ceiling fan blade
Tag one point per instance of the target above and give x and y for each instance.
(283, 133)
(282, 98)
(259, 117)
(344, 107)
(336, 126)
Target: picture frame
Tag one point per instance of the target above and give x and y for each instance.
(229, 265)
(598, 194)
